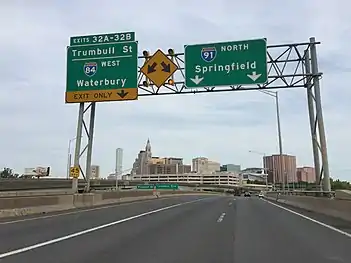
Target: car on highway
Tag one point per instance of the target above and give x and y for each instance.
(247, 194)
(260, 195)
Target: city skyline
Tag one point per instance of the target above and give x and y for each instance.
(147, 164)
(302, 171)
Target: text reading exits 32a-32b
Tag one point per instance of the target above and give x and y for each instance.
(104, 38)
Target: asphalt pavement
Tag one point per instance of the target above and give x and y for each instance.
(187, 229)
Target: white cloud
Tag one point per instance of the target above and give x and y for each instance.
(225, 126)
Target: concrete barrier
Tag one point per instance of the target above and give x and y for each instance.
(32, 201)
(322, 205)
(36, 193)
(18, 206)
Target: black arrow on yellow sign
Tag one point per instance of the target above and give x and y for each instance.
(122, 93)
(151, 68)
(166, 67)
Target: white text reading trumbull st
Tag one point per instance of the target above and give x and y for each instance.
(109, 51)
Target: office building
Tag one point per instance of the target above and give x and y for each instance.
(119, 161)
(168, 165)
(306, 174)
(95, 172)
(200, 164)
(204, 165)
(145, 164)
(213, 167)
(169, 168)
(272, 167)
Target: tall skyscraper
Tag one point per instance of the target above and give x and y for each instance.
(272, 166)
(119, 162)
(140, 165)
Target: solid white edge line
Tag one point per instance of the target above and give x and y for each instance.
(310, 219)
(89, 230)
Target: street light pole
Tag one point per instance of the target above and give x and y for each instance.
(281, 166)
(280, 141)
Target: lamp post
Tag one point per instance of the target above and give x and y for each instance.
(69, 156)
(281, 166)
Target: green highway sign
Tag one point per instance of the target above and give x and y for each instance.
(102, 72)
(226, 63)
(145, 186)
(167, 186)
(158, 186)
(102, 38)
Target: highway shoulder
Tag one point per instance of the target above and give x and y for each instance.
(330, 220)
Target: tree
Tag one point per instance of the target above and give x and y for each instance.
(8, 173)
(340, 185)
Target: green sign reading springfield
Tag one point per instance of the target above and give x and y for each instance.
(226, 63)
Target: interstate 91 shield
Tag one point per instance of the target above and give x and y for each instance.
(208, 54)
(90, 68)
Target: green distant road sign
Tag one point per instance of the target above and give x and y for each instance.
(167, 186)
(145, 186)
(226, 63)
(102, 72)
(158, 186)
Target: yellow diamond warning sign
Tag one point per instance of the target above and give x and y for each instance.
(159, 68)
(74, 171)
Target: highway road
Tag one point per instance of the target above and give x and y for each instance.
(187, 229)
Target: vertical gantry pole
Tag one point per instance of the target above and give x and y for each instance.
(116, 169)
(319, 115)
(68, 158)
(78, 144)
(90, 145)
(310, 99)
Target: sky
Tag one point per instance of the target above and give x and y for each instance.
(37, 124)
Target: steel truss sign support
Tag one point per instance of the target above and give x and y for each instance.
(288, 66)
